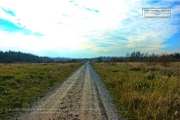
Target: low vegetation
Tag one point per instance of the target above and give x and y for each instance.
(142, 91)
(22, 84)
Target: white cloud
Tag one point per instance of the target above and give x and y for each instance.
(69, 26)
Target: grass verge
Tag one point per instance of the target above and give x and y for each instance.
(23, 84)
(143, 92)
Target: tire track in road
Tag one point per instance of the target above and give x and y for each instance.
(81, 97)
(90, 104)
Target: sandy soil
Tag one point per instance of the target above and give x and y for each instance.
(81, 97)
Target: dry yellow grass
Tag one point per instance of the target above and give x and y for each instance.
(22, 84)
(143, 92)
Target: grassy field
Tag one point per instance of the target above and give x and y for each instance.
(143, 92)
(22, 84)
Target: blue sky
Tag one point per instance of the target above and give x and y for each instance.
(87, 28)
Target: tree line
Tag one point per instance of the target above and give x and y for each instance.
(137, 56)
(11, 56)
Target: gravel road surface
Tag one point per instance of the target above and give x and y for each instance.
(81, 97)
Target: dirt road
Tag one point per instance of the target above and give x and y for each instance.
(81, 97)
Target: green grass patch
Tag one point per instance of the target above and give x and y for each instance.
(22, 84)
(143, 92)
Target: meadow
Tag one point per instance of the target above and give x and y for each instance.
(21, 84)
(142, 91)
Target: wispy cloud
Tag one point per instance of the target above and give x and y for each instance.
(86, 28)
(8, 11)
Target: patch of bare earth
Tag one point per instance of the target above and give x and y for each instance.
(81, 97)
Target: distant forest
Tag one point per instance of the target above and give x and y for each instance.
(136, 56)
(11, 56)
